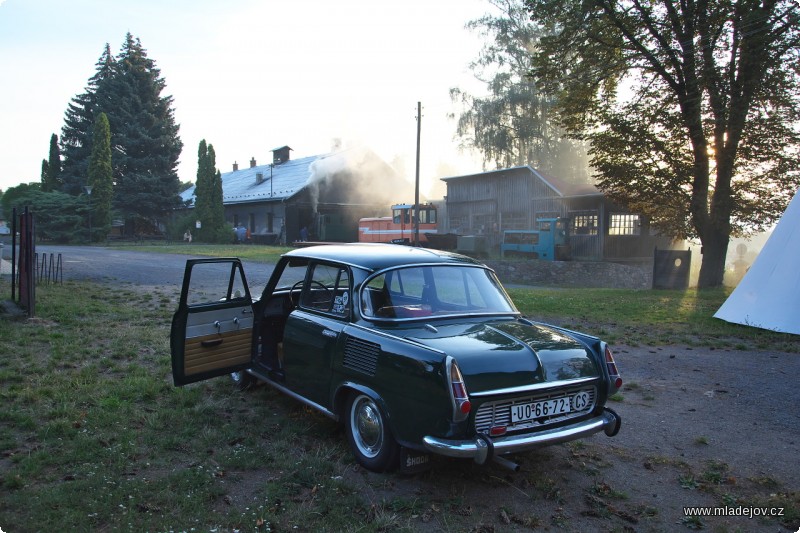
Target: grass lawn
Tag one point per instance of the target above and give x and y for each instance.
(94, 436)
(267, 254)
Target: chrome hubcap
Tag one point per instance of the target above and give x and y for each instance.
(367, 427)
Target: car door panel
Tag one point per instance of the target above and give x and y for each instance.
(310, 342)
(217, 339)
(212, 330)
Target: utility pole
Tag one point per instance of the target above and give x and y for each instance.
(416, 182)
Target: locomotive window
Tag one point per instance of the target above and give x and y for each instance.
(401, 216)
(427, 216)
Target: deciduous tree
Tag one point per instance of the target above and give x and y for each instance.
(691, 107)
(514, 123)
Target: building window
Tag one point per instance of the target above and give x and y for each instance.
(458, 224)
(584, 225)
(270, 223)
(515, 220)
(624, 224)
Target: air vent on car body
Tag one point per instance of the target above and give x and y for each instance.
(361, 355)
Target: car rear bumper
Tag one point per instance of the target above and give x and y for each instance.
(482, 447)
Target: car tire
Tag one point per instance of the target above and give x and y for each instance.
(369, 436)
(242, 380)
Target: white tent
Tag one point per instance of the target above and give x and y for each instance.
(768, 296)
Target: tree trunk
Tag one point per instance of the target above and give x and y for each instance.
(712, 266)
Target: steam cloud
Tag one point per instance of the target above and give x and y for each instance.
(356, 176)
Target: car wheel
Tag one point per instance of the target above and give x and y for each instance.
(369, 436)
(242, 380)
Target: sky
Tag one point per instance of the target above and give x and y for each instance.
(252, 75)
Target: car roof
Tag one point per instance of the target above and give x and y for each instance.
(378, 256)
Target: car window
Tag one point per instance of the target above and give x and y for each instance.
(408, 282)
(328, 290)
(215, 282)
(294, 271)
(421, 291)
(457, 287)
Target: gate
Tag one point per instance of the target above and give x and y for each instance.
(671, 269)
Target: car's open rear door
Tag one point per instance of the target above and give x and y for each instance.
(212, 330)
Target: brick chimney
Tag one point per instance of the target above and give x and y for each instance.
(235, 166)
(252, 162)
(280, 155)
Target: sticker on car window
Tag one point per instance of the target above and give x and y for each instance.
(340, 304)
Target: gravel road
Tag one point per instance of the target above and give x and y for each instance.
(138, 268)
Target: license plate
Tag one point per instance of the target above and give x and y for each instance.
(557, 406)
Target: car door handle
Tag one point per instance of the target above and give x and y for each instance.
(211, 343)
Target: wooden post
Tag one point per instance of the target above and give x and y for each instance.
(416, 181)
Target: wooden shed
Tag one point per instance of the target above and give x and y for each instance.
(489, 203)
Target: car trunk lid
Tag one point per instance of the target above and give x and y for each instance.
(505, 354)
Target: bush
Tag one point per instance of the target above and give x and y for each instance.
(59, 217)
(183, 222)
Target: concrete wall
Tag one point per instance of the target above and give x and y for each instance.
(574, 274)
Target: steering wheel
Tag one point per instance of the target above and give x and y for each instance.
(298, 285)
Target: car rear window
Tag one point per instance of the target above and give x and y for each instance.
(438, 290)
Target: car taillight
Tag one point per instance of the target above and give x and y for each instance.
(613, 373)
(458, 392)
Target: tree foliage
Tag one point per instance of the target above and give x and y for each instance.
(59, 217)
(15, 196)
(691, 108)
(51, 167)
(209, 209)
(100, 178)
(514, 123)
(79, 118)
(144, 136)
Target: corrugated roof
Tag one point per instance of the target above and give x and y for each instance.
(279, 182)
(560, 187)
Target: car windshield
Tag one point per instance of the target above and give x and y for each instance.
(438, 290)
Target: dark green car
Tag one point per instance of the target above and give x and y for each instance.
(417, 351)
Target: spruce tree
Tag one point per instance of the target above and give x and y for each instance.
(101, 177)
(76, 134)
(145, 137)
